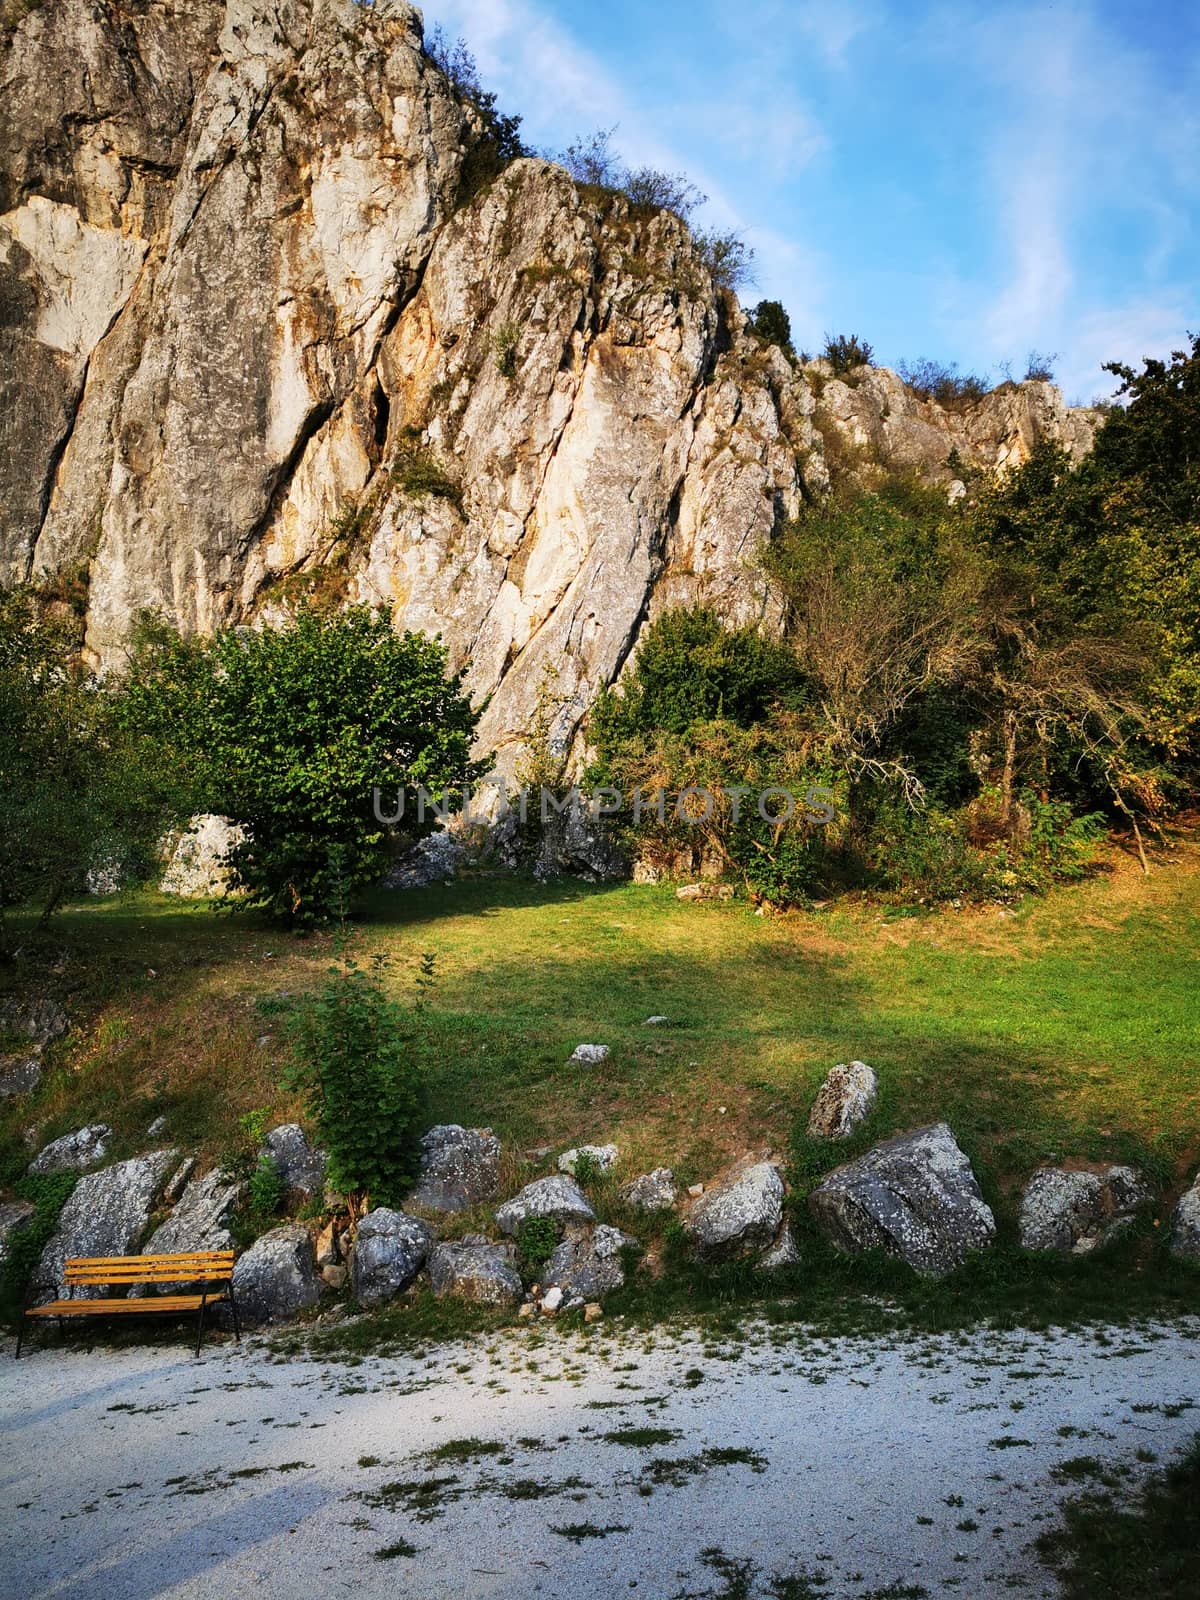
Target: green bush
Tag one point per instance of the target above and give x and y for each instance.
(942, 381)
(771, 323)
(727, 257)
(845, 351)
(536, 1240)
(49, 1192)
(493, 140)
(355, 1058)
(265, 1188)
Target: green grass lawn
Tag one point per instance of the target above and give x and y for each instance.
(1069, 1029)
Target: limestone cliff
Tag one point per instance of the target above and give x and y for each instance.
(251, 342)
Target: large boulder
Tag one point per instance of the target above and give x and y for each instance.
(653, 1191)
(301, 1169)
(389, 1250)
(13, 1218)
(75, 1152)
(460, 1168)
(476, 1269)
(198, 861)
(740, 1213)
(914, 1196)
(588, 1262)
(106, 1215)
(1078, 1212)
(844, 1101)
(1185, 1234)
(200, 1220)
(433, 859)
(598, 1156)
(277, 1276)
(558, 1197)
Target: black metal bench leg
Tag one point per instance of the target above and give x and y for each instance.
(200, 1323)
(237, 1321)
(20, 1336)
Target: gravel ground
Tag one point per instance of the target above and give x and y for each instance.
(925, 1462)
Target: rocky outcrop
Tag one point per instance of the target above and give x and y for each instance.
(74, 1152)
(914, 1196)
(255, 339)
(844, 1101)
(200, 1220)
(1079, 1211)
(14, 1217)
(1185, 1231)
(277, 1276)
(475, 1269)
(587, 1264)
(301, 1169)
(559, 1198)
(106, 1215)
(197, 863)
(738, 1214)
(389, 1250)
(653, 1191)
(460, 1167)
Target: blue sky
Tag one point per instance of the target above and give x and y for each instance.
(968, 181)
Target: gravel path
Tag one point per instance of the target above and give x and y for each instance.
(927, 1463)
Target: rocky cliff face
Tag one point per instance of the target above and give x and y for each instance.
(251, 344)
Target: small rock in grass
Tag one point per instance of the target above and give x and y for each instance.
(1185, 1239)
(1077, 1212)
(694, 1189)
(783, 1253)
(334, 1276)
(551, 1300)
(593, 1311)
(653, 1191)
(590, 1055)
(844, 1101)
(656, 1022)
(740, 1213)
(599, 1156)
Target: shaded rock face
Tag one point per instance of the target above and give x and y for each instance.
(844, 1101)
(389, 1250)
(235, 275)
(653, 1191)
(41, 1020)
(588, 1262)
(914, 1196)
(1079, 1211)
(558, 1197)
(740, 1213)
(783, 1253)
(300, 1167)
(74, 1152)
(277, 1276)
(198, 864)
(1185, 1234)
(200, 1218)
(19, 1074)
(475, 1269)
(460, 1167)
(106, 1215)
(13, 1217)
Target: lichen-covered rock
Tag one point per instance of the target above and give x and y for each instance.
(783, 1253)
(198, 863)
(19, 1074)
(475, 1269)
(390, 1248)
(590, 1055)
(277, 1276)
(300, 1167)
(1185, 1232)
(40, 1020)
(599, 1156)
(75, 1152)
(431, 860)
(558, 1197)
(914, 1196)
(13, 1217)
(1077, 1212)
(653, 1191)
(200, 1220)
(844, 1101)
(739, 1213)
(588, 1262)
(460, 1167)
(106, 1215)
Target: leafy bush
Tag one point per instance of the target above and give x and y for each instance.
(292, 729)
(265, 1188)
(942, 382)
(728, 258)
(771, 323)
(417, 471)
(1039, 367)
(536, 1240)
(49, 1192)
(504, 343)
(652, 190)
(844, 352)
(354, 1057)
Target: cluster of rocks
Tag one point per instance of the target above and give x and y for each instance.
(913, 1195)
(36, 1023)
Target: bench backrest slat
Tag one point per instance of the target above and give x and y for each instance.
(205, 1266)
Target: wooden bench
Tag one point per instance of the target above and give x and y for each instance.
(210, 1269)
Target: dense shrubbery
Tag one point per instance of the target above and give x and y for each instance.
(983, 688)
(942, 381)
(771, 323)
(288, 730)
(845, 351)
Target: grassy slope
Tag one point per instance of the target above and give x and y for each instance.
(1069, 1029)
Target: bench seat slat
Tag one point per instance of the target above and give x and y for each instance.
(185, 1269)
(220, 1258)
(93, 1308)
